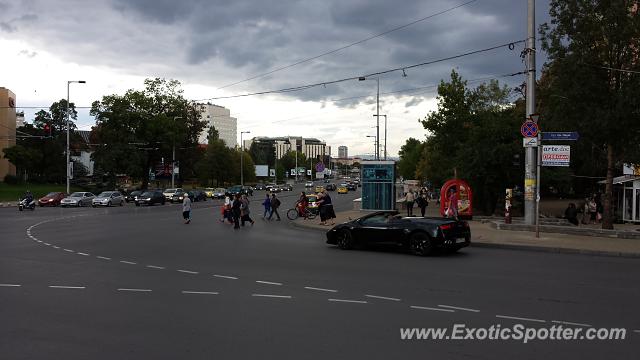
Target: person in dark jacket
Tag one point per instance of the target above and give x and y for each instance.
(267, 207)
(422, 202)
(235, 211)
(571, 214)
(275, 204)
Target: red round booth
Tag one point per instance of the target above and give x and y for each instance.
(465, 198)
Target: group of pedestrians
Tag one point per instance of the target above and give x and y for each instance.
(236, 211)
(421, 199)
(271, 205)
(591, 211)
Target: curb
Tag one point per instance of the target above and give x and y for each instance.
(556, 250)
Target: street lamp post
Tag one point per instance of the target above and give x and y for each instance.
(377, 115)
(375, 142)
(173, 152)
(68, 159)
(385, 134)
(242, 156)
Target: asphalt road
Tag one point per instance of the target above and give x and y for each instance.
(136, 283)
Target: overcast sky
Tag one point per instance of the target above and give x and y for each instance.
(209, 44)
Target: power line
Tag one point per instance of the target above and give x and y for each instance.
(348, 46)
(620, 70)
(403, 68)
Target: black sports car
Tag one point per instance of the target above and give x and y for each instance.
(416, 234)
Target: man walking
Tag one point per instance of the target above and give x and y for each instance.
(186, 209)
(244, 208)
(267, 207)
(410, 199)
(235, 211)
(275, 204)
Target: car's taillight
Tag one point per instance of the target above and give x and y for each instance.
(446, 227)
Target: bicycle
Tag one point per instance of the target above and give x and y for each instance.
(293, 213)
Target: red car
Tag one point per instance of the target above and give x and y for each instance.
(51, 199)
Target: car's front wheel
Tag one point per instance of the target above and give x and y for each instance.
(420, 244)
(345, 239)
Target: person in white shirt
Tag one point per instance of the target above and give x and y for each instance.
(186, 209)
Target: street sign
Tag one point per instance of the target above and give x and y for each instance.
(529, 142)
(529, 129)
(534, 117)
(556, 155)
(272, 172)
(319, 167)
(293, 172)
(309, 172)
(557, 136)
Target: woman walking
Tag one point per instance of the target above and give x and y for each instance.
(236, 212)
(186, 209)
(244, 208)
(422, 202)
(410, 199)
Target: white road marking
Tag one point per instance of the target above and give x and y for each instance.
(155, 267)
(188, 272)
(67, 250)
(103, 257)
(128, 262)
(430, 308)
(226, 277)
(47, 244)
(66, 287)
(10, 285)
(382, 297)
(519, 318)
(272, 296)
(458, 308)
(56, 247)
(83, 254)
(636, 331)
(320, 289)
(349, 301)
(570, 323)
(136, 290)
(200, 292)
(268, 282)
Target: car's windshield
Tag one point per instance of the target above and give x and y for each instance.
(147, 194)
(170, 191)
(52, 194)
(105, 194)
(77, 194)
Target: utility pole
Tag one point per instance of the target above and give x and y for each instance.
(173, 153)
(385, 136)
(530, 170)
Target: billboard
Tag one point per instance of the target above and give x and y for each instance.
(556, 155)
(262, 170)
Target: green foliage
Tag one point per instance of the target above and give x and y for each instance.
(216, 163)
(288, 161)
(410, 154)
(263, 153)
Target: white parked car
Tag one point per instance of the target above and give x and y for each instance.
(108, 198)
(308, 184)
(78, 199)
(168, 193)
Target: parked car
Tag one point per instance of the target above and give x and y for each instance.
(78, 199)
(247, 190)
(51, 199)
(218, 193)
(168, 193)
(331, 187)
(108, 198)
(260, 187)
(197, 195)
(132, 195)
(209, 192)
(308, 184)
(275, 188)
(352, 186)
(343, 189)
(286, 187)
(178, 196)
(236, 189)
(418, 235)
(150, 198)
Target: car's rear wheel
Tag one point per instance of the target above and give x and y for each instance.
(292, 214)
(121, 203)
(420, 244)
(109, 204)
(345, 239)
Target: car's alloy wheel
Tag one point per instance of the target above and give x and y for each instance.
(420, 244)
(109, 203)
(345, 239)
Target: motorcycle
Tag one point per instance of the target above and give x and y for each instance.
(25, 204)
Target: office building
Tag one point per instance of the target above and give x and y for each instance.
(7, 129)
(343, 152)
(220, 118)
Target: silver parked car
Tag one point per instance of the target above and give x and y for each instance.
(78, 199)
(108, 198)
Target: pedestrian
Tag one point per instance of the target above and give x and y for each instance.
(186, 209)
(593, 210)
(275, 204)
(423, 202)
(267, 207)
(330, 214)
(585, 212)
(410, 199)
(235, 211)
(452, 203)
(245, 212)
(571, 214)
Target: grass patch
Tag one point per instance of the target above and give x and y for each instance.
(14, 192)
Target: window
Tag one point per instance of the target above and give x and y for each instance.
(375, 220)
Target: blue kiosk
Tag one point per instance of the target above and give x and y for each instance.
(378, 185)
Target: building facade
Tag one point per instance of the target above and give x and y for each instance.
(220, 117)
(343, 152)
(312, 148)
(7, 129)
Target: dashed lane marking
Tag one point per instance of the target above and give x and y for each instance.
(430, 308)
(188, 272)
(155, 267)
(10, 285)
(83, 254)
(200, 292)
(458, 308)
(66, 287)
(272, 296)
(47, 244)
(134, 290)
(348, 301)
(103, 257)
(570, 323)
(520, 318)
(320, 289)
(56, 247)
(68, 250)
(268, 282)
(226, 277)
(382, 297)
(636, 331)
(128, 262)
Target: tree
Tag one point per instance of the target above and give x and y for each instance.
(593, 49)
(288, 160)
(140, 128)
(410, 154)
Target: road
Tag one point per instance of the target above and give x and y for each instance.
(123, 283)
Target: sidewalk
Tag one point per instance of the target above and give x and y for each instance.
(483, 234)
